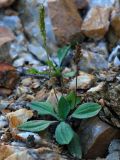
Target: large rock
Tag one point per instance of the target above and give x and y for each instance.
(5, 3)
(6, 36)
(95, 137)
(101, 3)
(115, 22)
(92, 61)
(96, 22)
(81, 4)
(8, 78)
(65, 20)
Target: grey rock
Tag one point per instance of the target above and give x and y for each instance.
(92, 61)
(101, 3)
(114, 146)
(3, 122)
(11, 22)
(38, 51)
(115, 56)
(113, 156)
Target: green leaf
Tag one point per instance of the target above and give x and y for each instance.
(35, 125)
(62, 52)
(86, 110)
(63, 108)
(43, 108)
(74, 147)
(64, 133)
(51, 64)
(69, 74)
(72, 99)
(35, 71)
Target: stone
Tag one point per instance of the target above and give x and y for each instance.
(113, 156)
(3, 122)
(95, 137)
(7, 150)
(101, 3)
(98, 88)
(115, 22)
(18, 117)
(81, 4)
(96, 23)
(115, 56)
(99, 47)
(6, 3)
(65, 27)
(92, 61)
(84, 81)
(114, 146)
(6, 35)
(8, 76)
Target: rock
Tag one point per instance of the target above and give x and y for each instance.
(5, 92)
(84, 81)
(38, 51)
(65, 26)
(6, 35)
(92, 61)
(115, 22)
(98, 88)
(81, 4)
(114, 150)
(100, 48)
(7, 150)
(113, 156)
(12, 22)
(115, 56)
(6, 3)
(8, 76)
(3, 104)
(27, 81)
(95, 137)
(114, 146)
(25, 58)
(18, 117)
(96, 23)
(3, 122)
(101, 3)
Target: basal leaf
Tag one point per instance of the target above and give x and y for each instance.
(72, 99)
(35, 125)
(74, 147)
(64, 133)
(86, 110)
(43, 108)
(69, 74)
(62, 52)
(63, 108)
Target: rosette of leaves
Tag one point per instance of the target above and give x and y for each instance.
(68, 107)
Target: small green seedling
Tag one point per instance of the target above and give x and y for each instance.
(68, 107)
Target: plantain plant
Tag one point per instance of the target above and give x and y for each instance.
(68, 108)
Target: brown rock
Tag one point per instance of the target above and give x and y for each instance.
(18, 117)
(115, 22)
(95, 137)
(6, 35)
(8, 76)
(5, 3)
(65, 19)
(81, 4)
(7, 150)
(96, 22)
